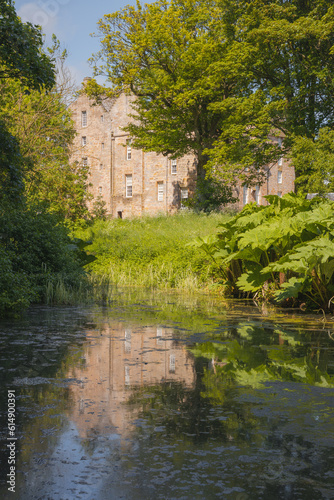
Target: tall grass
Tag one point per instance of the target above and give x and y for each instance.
(152, 252)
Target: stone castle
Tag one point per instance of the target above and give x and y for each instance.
(132, 182)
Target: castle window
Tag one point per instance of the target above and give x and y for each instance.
(173, 167)
(280, 162)
(85, 161)
(102, 146)
(127, 336)
(257, 194)
(279, 177)
(184, 196)
(102, 118)
(279, 194)
(172, 363)
(128, 186)
(245, 195)
(128, 149)
(100, 190)
(101, 166)
(160, 191)
(83, 140)
(84, 118)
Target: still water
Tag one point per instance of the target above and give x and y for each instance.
(168, 397)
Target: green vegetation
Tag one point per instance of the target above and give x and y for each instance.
(283, 251)
(152, 251)
(40, 193)
(223, 77)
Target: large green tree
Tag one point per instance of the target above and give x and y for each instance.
(288, 47)
(218, 77)
(42, 125)
(21, 50)
(175, 59)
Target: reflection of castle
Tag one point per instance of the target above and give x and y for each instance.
(115, 363)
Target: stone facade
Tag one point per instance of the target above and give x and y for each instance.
(133, 182)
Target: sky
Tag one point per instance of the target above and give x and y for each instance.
(71, 21)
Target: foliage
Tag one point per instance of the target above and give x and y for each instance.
(35, 132)
(151, 251)
(186, 81)
(35, 250)
(223, 78)
(41, 123)
(21, 54)
(11, 174)
(289, 241)
(313, 160)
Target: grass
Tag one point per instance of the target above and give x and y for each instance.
(152, 252)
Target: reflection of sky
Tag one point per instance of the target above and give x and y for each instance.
(70, 472)
(273, 441)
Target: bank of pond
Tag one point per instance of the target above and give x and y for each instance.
(282, 252)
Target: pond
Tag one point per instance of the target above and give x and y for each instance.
(162, 396)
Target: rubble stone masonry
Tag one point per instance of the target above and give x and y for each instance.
(133, 182)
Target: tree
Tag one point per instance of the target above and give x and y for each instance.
(222, 78)
(288, 50)
(42, 125)
(176, 75)
(314, 162)
(21, 54)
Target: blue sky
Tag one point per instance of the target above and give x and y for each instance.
(71, 21)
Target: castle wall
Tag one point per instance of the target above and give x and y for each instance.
(133, 182)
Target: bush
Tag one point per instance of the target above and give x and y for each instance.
(282, 252)
(34, 251)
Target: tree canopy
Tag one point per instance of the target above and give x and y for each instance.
(218, 77)
(21, 54)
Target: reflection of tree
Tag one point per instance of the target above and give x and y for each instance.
(37, 354)
(190, 412)
(248, 359)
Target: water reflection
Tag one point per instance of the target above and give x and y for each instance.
(114, 365)
(163, 399)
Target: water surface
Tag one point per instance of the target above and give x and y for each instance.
(169, 397)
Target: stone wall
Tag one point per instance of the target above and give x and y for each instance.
(157, 183)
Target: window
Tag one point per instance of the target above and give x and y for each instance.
(280, 141)
(100, 190)
(257, 194)
(102, 146)
(279, 177)
(101, 166)
(83, 140)
(128, 149)
(102, 118)
(84, 118)
(127, 375)
(128, 186)
(245, 195)
(184, 196)
(85, 161)
(279, 194)
(159, 336)
(127, 337)
(172, 363)
(160, 191)
(173, 167)
(280, 162)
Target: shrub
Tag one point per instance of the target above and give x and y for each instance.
(282, 251)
